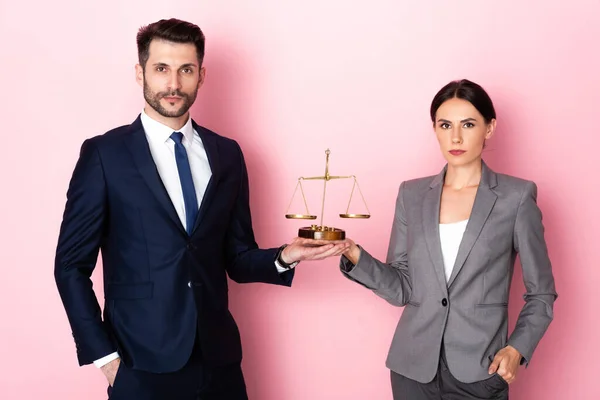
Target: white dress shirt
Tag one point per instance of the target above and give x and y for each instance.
(162, 148)
(450, 237)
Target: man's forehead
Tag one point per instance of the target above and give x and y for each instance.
(162, 48)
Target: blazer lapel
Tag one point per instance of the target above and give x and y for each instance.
(431, 218)
(140, 150)
(209, 140)
(484, 202)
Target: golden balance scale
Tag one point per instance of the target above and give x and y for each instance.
(321, 232)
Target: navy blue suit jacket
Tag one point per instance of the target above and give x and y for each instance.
(161, 285)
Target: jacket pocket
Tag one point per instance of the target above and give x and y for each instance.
(129, 291)
(492, 305)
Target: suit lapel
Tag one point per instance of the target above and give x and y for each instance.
(484, 202)
(209, 140)
(431, 218)
(140, 150)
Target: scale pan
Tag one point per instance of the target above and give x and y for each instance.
(300, 216)
(355, 215)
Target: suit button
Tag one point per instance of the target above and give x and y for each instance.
(190, 284)
(190, 246)
(444, 302)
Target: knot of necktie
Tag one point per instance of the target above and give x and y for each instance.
(177, 137)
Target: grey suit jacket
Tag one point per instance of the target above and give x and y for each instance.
(469, 313)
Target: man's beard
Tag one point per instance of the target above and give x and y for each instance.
(153, 99)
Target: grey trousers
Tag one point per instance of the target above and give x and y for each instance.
(445, 387)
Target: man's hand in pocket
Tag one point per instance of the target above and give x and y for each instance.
(110, 370)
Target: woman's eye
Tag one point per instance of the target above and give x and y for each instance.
(469, 125)
(445, 125)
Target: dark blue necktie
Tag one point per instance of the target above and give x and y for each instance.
(187, 183)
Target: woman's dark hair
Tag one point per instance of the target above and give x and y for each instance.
(465, 90)
(170, 30)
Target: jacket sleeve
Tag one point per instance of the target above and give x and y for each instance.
(79, 241)
(537, 313)
(391, 280)
(245, 261)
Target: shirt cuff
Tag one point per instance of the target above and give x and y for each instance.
(106, 359)
(281, 269)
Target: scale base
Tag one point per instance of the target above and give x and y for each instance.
(321, 233)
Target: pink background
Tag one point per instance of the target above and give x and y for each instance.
(287, 80)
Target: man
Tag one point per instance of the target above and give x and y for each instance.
(166, 201)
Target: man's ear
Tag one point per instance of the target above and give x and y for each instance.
(139, 74)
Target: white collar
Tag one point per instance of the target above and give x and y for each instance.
(160, 132)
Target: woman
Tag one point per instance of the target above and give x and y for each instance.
(450, 262)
